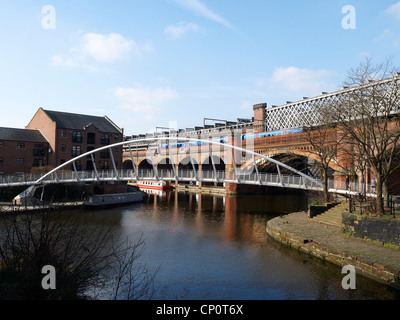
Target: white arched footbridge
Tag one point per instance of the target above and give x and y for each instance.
(232, 174)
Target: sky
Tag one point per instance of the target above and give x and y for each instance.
(171, 63)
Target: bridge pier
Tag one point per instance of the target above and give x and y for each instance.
(199, 175)
(230, 169)
(231, 188)
(176, 170)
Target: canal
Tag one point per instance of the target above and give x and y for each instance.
(215, 247)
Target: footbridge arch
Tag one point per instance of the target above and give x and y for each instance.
(290, 151)
(228, 158)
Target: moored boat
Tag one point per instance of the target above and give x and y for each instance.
(154, 185)
(110, 200)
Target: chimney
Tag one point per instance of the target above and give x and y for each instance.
(259, 117)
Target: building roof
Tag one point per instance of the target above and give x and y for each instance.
(22, 135)
(80, 121)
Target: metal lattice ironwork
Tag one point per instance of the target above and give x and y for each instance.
(307, 112)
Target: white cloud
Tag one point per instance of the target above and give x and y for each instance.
(100, 48)
(180, 29)
(246, 106)
(388, 36)
(201, 9)
(258, 82)
(145, 101)
(394, 10)
(109, 47)
(300, 80)
(364, 54)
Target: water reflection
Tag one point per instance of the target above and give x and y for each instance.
(238, 216)
(216, 247)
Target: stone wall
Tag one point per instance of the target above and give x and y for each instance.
(385, 230)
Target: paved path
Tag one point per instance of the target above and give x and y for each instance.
(329, 243)
(4, 208)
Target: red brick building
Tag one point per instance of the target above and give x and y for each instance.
(53, 138)
(22, 150)
(70, 135)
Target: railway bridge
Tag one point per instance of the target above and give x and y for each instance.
(213, 151)
(277, 132)
(230, 172)
(270, 149)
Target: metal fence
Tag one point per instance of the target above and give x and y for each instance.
(253, 178)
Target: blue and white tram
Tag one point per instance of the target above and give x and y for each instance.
(192, 143)
(271, 133)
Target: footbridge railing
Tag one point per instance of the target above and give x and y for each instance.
(233, 174)
(56, 175)
(186, 176)
(267, 179)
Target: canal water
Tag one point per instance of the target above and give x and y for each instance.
(215, 247)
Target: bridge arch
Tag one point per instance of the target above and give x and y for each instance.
(305, 152)
(127, 165)
(145, 164)
(163, 162)
(130, 144)
(293, 160)
(213, 161)
(187, 163)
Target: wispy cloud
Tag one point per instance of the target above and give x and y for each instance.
(294, 79)
(179, 29)
(144, 101)
(201, 9)
(104, 48)
(388, 36)
(394, 10)
(247, 106)
(108, 47)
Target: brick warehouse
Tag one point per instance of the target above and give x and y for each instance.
(22, 150)
(71, 135)
(51, 138)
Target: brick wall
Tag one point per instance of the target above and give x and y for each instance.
(22, 156)
(259, 117)
(48, 128)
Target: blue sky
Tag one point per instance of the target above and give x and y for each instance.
(148, 63)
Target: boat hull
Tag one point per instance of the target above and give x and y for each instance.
(162, 186)
(113, 200)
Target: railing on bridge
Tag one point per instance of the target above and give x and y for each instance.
(253, 178)
(297, 179)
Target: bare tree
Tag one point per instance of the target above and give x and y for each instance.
(132, 279)
(86, 257)
(356, 165)
(325, 143)
(368, 115)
